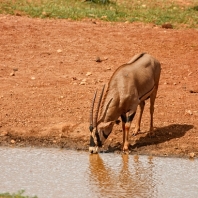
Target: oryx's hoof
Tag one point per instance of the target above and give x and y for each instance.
(126, 148)
(126, 152)
(135, 131)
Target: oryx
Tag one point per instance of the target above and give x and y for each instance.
(129, 86)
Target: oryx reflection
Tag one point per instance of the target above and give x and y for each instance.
(127, 177)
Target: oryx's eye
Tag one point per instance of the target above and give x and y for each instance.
(91, 128)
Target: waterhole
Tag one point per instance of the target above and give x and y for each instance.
(59, 173)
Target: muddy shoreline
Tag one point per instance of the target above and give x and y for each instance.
(142, 144)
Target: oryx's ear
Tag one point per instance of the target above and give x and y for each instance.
(117, 121)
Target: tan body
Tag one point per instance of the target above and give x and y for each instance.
(130, 85)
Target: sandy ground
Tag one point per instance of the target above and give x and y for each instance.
(49, 72)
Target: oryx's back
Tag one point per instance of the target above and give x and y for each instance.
(137, 77)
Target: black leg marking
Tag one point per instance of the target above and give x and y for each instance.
(91, 128)
(124, 119)
(130, 118)
(92, 143)
(98, 140)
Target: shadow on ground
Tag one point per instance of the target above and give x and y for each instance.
(163, 134)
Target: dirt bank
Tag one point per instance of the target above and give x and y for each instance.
(49, 72)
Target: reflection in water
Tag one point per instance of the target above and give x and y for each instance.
(129, 179)
(55, 173)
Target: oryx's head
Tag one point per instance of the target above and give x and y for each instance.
(100, 130)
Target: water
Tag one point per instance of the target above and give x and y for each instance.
(55, 173)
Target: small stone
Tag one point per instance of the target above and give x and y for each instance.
(98, 59)
(189, 112)
(15, 69)
(193, 90)
(84, 80)
(12, 74)
(4, 133)
(82, 83)
(59, 50)
(12, 141)
(192, 155)
(88, 74)
(167, 26)
(33, 78)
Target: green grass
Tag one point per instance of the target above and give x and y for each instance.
(15, 195)
(151, 11)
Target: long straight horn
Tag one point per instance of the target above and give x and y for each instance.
(91, 112)
(98, 107)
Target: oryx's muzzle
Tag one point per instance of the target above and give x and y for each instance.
(94, 146)
(93, 150)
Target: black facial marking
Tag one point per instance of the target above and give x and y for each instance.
(92, 143)
(98, 140)
(91, 128)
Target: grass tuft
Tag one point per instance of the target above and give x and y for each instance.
(151, 11)
(19, 194)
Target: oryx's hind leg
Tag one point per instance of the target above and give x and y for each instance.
(152, 102)
(137, 126)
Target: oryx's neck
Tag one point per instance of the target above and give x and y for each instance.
(110, 107)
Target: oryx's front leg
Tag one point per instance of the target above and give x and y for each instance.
(123, 117)
(126, 123)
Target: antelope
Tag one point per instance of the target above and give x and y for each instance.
(129, 86)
